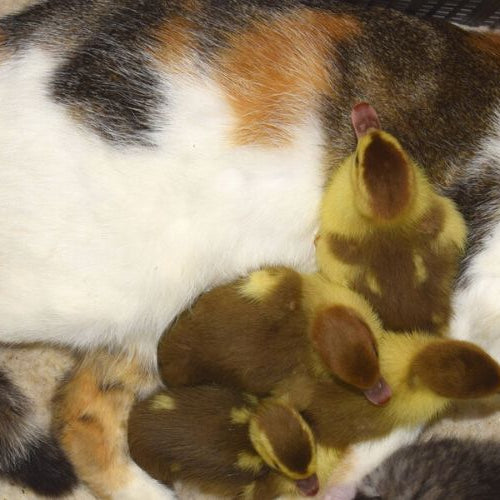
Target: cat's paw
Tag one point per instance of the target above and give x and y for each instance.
(340, 492)
(142, 486)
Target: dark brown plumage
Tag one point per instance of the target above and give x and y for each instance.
(208, 436)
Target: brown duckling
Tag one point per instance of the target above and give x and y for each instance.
(388, 234)
(224, 443)
(255, 333)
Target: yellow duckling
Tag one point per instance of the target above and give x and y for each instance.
(224, 443)
(427, 374)
(255, 333)
(386, 233)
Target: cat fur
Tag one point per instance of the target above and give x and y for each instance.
(436, 470)
(151, 150)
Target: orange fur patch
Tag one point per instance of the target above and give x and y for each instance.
(274, 72)
(89, 429)
(175, 41)
(90, 418)
(175, 36)
(486, 42)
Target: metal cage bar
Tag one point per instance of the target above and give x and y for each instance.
(470, 12)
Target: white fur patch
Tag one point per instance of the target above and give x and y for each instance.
(106, 244)
(477, 305)
(143, 487)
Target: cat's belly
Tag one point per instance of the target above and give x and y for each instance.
(100, 244)
(477, 305)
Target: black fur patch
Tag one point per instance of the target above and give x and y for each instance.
(14, 408)
(107, 80)
(46, 469)
(27, 457)
(105, 77)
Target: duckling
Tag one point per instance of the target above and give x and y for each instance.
(253, 334)
(426, 374)
(224, 443)
(386, 233)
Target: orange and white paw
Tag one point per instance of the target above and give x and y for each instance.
(142, 486)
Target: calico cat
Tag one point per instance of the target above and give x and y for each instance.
(437, 470)
(152, 149)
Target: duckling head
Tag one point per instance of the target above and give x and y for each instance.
(348, 349)
(382, 174)
(286, 444)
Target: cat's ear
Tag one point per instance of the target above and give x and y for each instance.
(363, 118)
(456, 370)
(347, 347)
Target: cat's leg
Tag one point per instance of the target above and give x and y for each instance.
(476, 303)
(90, 416)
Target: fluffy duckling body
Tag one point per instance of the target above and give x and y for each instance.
(255, 333)
(386, 233)
(224, 443)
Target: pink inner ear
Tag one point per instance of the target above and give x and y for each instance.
(363, 117)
